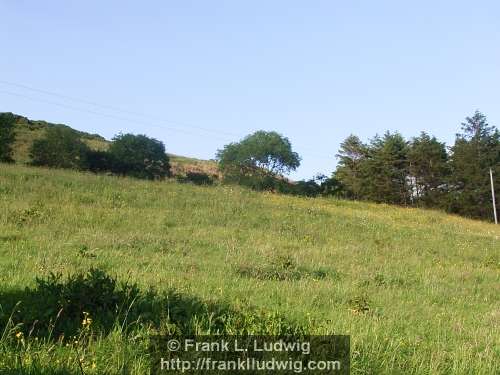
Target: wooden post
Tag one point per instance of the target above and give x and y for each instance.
(493, 197)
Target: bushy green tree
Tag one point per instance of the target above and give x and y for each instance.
(377, 171)
(386, 170)
(350, 169)
(476, 150)
(60, 148)
(139, 156)
(7, 136)
(428, 169)
(258, 160)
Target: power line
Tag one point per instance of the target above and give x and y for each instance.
(121, 110)
(98, 113)
(113, 108)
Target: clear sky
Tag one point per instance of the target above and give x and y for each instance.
(199, 74)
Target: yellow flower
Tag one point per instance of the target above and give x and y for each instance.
(87, 320)
(19, 335)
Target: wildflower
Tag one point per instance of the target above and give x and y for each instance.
(87, 320)
(19, 335)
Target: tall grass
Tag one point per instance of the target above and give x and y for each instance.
(416, 290)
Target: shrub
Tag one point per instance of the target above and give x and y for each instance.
(62, 304)
(60, 148)
(319, 185)
(139, 156)
(197, 178)
(307, 188)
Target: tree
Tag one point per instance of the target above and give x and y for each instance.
(475, 150)
(352, 154)
(139, 156)
(60, 148)
(377, 171)
(7, 136)
(428, 169)
(258, 159)
(386, 170)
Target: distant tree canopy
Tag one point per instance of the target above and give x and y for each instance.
(139, 156)
(421, 171)
(7, 136)
(387, 166)
(128, 155)
(428, 169)
(376, 171)
(259, 158)
(350, 170)
(476, 150)
(319, 185)
(60, 148)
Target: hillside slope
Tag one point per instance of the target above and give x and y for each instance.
(27, 131)
(416, 290)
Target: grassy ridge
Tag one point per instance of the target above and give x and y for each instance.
(27, 131)
(416, 290)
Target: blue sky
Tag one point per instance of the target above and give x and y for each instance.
(199, 74)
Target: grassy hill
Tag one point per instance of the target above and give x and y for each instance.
(28, 131)
(418, 291)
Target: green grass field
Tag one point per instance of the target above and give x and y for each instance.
(418, 291)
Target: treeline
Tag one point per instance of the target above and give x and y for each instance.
(423, 171)
(62, 147)
(388, 169)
